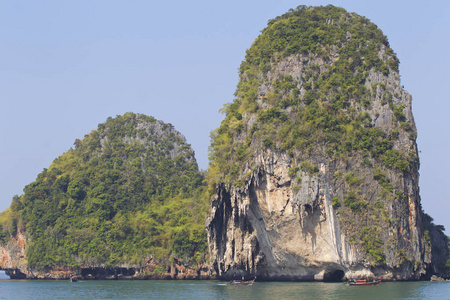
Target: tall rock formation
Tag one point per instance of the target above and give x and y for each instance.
(127, 202)
(315, 166)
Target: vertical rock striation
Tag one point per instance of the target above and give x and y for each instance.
(315, 166)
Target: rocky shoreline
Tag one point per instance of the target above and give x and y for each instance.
(176, 272)
(150, 272)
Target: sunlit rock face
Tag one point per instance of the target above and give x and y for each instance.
(12, 256)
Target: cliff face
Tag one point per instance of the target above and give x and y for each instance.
(315, 165)
(272, 230)
(13, 259)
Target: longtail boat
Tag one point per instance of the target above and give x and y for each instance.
(363, 282)
(242, 282)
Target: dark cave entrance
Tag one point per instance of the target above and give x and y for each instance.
(333, 276)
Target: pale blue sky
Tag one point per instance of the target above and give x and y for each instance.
(65, 66)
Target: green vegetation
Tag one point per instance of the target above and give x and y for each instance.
(373, 244)
(336, 202)
(129, 191)
(352, 201)
(293, 171)
(383, 180)
(307, 166)
(325, 105)
(447, 266)
(352, 179)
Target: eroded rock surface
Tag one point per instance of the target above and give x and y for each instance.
(328, 188)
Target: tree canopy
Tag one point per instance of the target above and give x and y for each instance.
(303, 87)
(128, 192)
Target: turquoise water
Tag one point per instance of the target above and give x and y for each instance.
(36, 289)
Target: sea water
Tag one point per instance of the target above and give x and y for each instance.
(158, 289)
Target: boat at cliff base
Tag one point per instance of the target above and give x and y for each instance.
(242, 282)
(364, 282)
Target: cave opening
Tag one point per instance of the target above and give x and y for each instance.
(333, 276)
